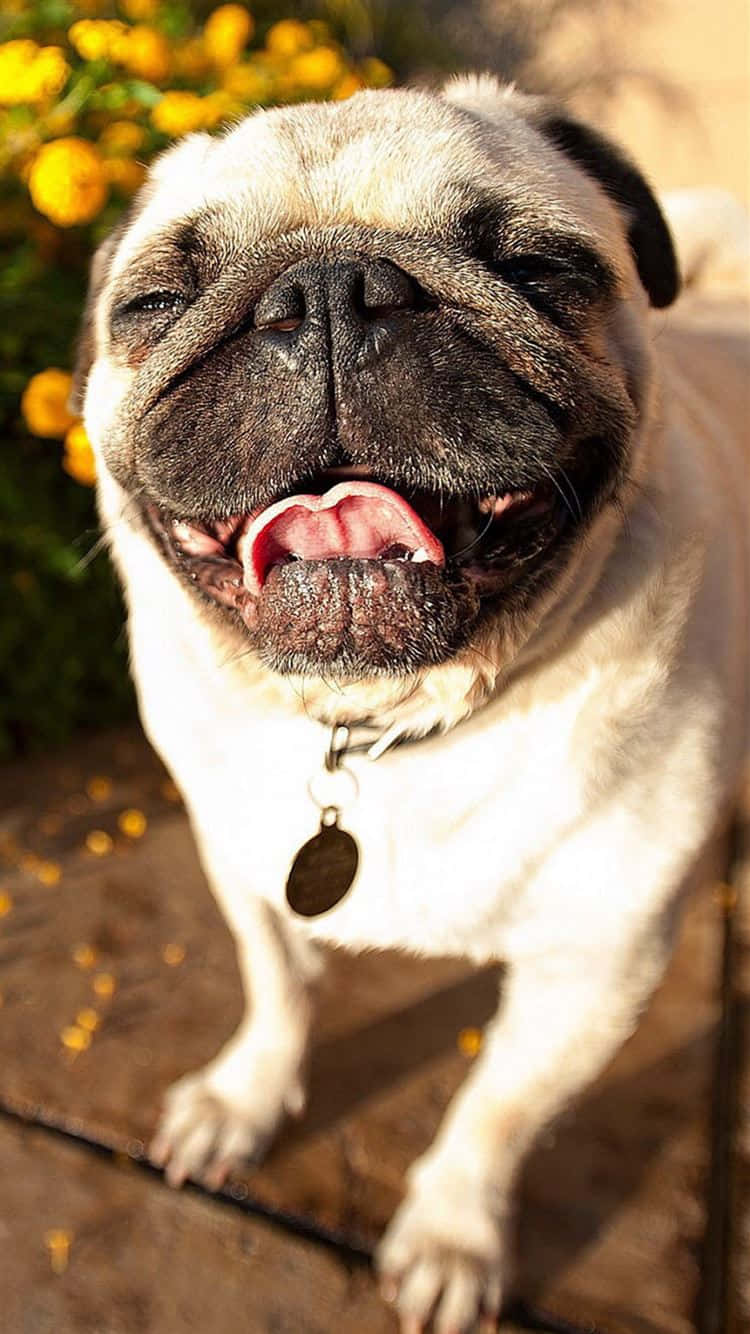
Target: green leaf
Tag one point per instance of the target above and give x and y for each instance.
(143, 92)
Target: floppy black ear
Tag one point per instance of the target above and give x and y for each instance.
(648, 234)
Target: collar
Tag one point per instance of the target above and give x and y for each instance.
(366, 738)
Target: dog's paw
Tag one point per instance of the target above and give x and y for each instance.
(441, 1262)
(206, 1131)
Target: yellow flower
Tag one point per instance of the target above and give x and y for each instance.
(79, 469)
(226, 32)
(376, 73)
(88, 1019)
(58, 1243)
(75, 1038)
(288, 37)
(317, 69)
(84, 956)
(49, 873)
(98, 39)
(121, 137)
(139, 9)
(190, 58)
(44, 403)
(66, 181)
(132, 822)
(125, 174)
(469, 1041)
(217, 107)
(178, 113)
(248, 82)
(347, 87)
(145, 53)
(29, 73)
(99, 843)
(79, 462)
(173, 954)
(50, 72)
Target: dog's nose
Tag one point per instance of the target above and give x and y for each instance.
(341, 302)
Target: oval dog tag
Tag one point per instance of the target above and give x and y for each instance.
(323, 869)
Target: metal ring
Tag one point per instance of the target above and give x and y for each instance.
(337, 746)
(333, 789)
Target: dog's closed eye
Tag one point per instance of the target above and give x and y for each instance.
(151, 301)
(138, 323)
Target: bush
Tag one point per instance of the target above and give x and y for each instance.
(88, 94)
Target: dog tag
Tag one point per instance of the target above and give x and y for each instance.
(323, 869)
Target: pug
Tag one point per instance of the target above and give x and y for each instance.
(433, 533)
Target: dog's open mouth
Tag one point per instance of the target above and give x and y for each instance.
(351, 569)
(356, 519)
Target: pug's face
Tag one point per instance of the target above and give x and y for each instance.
(368, 371)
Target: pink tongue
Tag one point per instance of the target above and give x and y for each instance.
(356, 519)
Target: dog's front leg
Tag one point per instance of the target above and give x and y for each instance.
(227, 1112)
(563, 1015)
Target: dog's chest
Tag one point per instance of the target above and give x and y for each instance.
(447, 828)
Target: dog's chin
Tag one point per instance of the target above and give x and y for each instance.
(383, 586)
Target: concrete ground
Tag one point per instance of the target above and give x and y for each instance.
(118, 975)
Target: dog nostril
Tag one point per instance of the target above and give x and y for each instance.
(281, 309)
(283, 326)
(386, 290)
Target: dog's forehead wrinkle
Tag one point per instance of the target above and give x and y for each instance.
(328, 164)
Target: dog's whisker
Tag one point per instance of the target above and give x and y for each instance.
(559, 490)
(235, 657)
(129, 509)
(478, 539)
(335, 688)
(478, 653)
(579, 507)
(101, 544)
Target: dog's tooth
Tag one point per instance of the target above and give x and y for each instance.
(193, 539)
(420, 555)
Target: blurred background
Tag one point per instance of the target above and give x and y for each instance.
(90, 91)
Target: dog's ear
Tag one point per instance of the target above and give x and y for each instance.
(648, 233)
(86, 343)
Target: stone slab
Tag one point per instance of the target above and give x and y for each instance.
(613, 1205)
(142, 1260)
